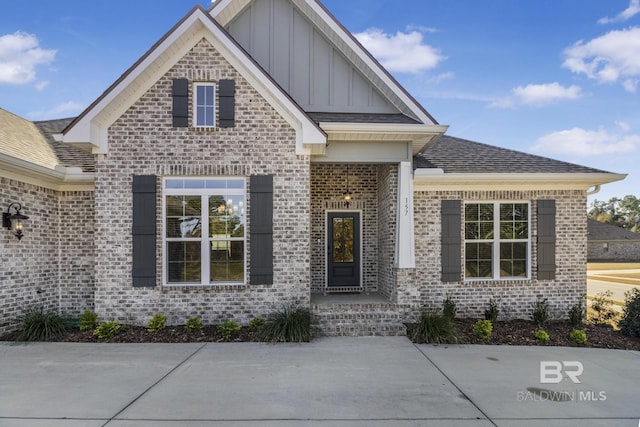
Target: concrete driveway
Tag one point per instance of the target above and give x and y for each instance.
(370, 381)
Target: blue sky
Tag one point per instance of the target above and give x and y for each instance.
(554, 78)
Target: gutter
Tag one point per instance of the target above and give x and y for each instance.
(428, 178)
(61, 178)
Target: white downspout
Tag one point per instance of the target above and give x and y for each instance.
(596, 189)
(405, 246)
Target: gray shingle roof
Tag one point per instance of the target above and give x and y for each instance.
(362, 118)
(600, 231)
(67, 155)
(456, 155)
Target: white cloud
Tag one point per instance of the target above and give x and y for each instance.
(20, 54)
(624, 126)
(441, 77)
(582, 142)
(65, 109)
(630, 85)
(402, 52)
(41, 85)
(538, 95)
(422, 29)
(608, 58)
(632, 10)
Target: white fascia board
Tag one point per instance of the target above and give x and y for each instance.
(382, 128)
(59, 179)
(427, 179)
(226, 10)
(93, 126)
(419, 134)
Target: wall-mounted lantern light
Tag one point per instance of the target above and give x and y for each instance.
(347, 194)
(14, 221)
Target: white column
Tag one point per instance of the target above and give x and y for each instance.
(405, 246)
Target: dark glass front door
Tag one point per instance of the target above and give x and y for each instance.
(343, 249)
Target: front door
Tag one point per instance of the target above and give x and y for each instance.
(343, 257)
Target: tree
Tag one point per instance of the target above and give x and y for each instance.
(623, 212)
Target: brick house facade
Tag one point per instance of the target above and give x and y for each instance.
(298, 145)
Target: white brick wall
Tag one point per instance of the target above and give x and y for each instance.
(422, 286)
(52, 266)
(143, 141)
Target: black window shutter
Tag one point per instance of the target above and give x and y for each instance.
(144, 231)
(261, 240)
(451, 240)
(546, 239)
(227, 103)
(180, 94)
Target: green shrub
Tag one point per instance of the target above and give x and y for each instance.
(576, 314)
(482, 329)
(434, 328)
(88, 320)
(630, 322)
(449, 308)
(157, 323)
(603, 312)
(229, 329)
(491, 313)
(194, 324)
(107, 330)
(291, 323)
(36, 324)
(540, 313)
(541, 335)
(256, 324)
(578, 336)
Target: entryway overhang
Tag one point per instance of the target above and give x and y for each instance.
(418, 136)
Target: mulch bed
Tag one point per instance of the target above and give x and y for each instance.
(512, 332)
(171, 334)
(520, 332)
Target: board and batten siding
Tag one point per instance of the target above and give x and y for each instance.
(304, 62)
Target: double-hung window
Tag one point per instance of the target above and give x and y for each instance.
(497, 240)
(204, 105)
(204, 231)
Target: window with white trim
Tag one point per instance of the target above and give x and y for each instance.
(204, 105)
(204, 231)
(497, 240)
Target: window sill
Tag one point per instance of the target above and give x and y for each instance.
(500, 280)
(210, 286)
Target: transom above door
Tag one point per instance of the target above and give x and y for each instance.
(343, 251)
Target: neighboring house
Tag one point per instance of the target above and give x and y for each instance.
(606, 242)
(258, 155)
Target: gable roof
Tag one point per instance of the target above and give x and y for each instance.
(418, 126)
(91, 126)
(224, 11)
(599, 231)
(456, 160)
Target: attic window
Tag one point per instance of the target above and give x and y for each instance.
(204, 105)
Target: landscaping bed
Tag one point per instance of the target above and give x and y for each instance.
(512, 332)
(520, 332)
